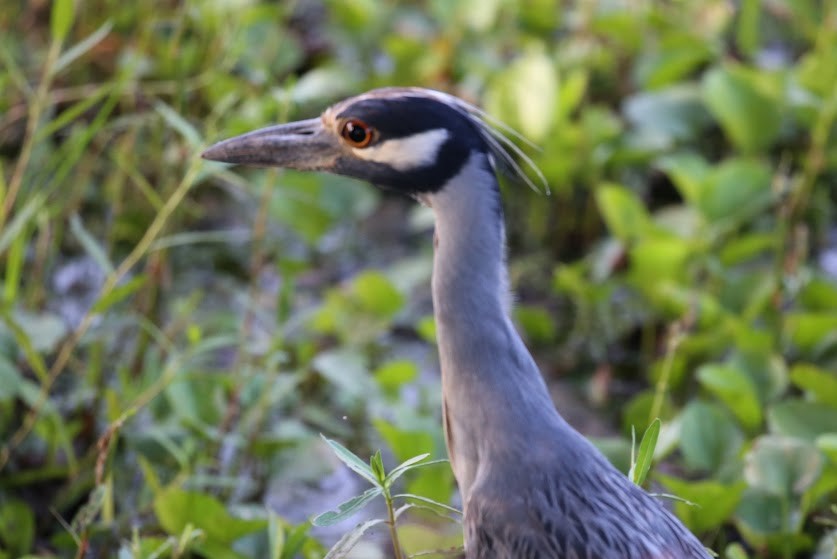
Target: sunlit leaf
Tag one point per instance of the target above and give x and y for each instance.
(177, 508)
(782, 466)
(749, 115)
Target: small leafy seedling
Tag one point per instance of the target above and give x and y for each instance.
(641, 461)
(381, 481)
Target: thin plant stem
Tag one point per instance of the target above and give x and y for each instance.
(393, 533)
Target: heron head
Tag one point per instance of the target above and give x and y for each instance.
(407, 139)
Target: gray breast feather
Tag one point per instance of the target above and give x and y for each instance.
(550, 518)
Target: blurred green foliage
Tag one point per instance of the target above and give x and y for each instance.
(175, 334)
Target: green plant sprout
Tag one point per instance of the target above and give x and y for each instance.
(382, 482)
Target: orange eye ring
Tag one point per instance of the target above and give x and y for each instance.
(357, 133)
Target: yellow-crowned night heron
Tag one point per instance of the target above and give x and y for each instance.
(532, 487)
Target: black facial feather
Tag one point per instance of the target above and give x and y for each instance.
(396, 118)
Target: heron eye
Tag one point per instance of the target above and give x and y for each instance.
(357, 133)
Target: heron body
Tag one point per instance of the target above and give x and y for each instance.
(532, 486)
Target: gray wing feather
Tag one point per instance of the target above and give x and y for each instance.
(547, 516)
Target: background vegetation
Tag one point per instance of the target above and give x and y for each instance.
(175, 335)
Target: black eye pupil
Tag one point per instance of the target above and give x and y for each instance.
(356, 133)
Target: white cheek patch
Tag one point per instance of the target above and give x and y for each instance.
(406, 153)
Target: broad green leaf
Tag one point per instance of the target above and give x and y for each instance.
(61, 19)
(820, 385)
(176, 509)
(827, 444)
(537, 323)
(17, 527)
(803, 419)
(573, 85)
(394, 374)
(668, 116)
(645, 456)
(687, 171)
(347, 508)
(346, 368)
(708, 503)
(709, 438)
(747, 30)
(782, 466)
(677, 55)
(352, 460)
(760, 515)
(656, 259)
(524, 95)
(811, 331)
(624, 214)
(735, 190)
(736, 389)
(376, 294)
(749, 115)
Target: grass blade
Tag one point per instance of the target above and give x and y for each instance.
(83, 46)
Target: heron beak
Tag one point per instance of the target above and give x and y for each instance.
(305, 145)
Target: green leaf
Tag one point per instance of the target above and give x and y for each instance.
(687, 171)
(811, 331)
(819, 384)
(828, 445)
(624, 214)
(394, 374)
(708, 437)
(178, 509)
(665, 117)
(735, 190)
(377, 465)
(411, 464)
(352, 461)
(17, 527)
(347, 541)
(61, 19)
(656, 259)
(782, 466)
(749, 115)
(645, 456)
(803, 419)
(347, 508)
(523, 95)
(736, 389)
(537, 323)
(709, 503)
(376, 294)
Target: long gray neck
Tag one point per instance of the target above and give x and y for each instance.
(495, 400)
